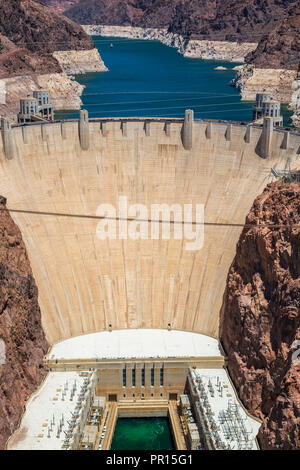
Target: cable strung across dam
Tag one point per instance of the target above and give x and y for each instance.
(160, 221)
(55, 176)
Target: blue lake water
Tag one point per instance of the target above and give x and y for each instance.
(146, 78)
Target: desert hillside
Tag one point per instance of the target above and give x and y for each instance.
(40, 48)
(30, 32)
(281, 47)
(271, 23)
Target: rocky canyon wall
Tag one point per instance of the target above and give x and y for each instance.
(77, 62)
(65, 93)
(278, 82)
(260, 317)
(22, 340)
(41, 48)
(282, 84)
(272, 24)
(223, 20)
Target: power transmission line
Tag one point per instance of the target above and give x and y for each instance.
(161, 101)
(95, 113)
(129, 219)
(213, 95)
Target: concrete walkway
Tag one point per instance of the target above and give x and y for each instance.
(112, 415)
(176, 426)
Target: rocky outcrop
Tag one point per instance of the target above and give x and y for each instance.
(65, 93)
(278, 82)
(282, 84)
(295, 101)
(60, 5)
(273, 24)
(260, 317)
(77, 62)
(218, 50)
(137, 13)
(22, 340)
(36, 41)
(280, 49)
(38, 28)
(21, 61)
(222, 20)
(197, 49)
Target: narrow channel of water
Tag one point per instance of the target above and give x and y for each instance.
(142, 434)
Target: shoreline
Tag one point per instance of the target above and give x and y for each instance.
(65, 92)
(193, 48)
(283, 84)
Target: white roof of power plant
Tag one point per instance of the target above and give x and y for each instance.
(136, 343)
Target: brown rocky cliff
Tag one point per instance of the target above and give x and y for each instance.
(231, 20)
(59, 5)
(22, 340)
(38, 27)
(115, 12)
(30, 32)
(272, 23)
(281, 47)
(260, 317)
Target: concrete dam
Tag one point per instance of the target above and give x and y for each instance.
(55, 176)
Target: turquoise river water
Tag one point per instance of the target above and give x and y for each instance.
(146, 78)
(142, 434)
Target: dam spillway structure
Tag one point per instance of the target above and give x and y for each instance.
(56, 175)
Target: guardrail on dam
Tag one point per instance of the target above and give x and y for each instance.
(87, 284)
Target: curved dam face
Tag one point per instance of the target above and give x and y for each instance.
(87, 284)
